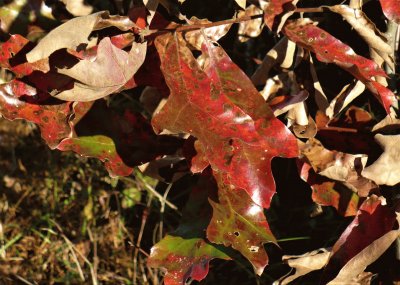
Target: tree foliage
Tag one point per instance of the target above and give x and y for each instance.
(67, 67)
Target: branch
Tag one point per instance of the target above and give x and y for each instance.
(199, 26)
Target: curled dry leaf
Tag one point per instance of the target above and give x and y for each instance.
(250, 29)
(386, 169)
(236, 130)
(76, 32)
(238, 222)
(367, 30)
(391, 9)
(330, 50)
(367, 237)
(304, 264)
(276, 12)
(197, 38)
(109, 72)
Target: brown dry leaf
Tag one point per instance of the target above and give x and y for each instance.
(112, 68)
(338, 166)
(367, 30)
(76, 32)
(196, 38)
(386, 169)
(250, 29)
(78, 7)
(304, 264)
(345, 97)
(282, 53)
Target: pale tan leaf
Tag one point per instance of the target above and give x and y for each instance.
(241, 3)
(196, 38)
(78, 7)
(345, 97)
(69, 35)
(250, 29)
(386, 169)
(76, 32)
(304, 264)
(111, 69)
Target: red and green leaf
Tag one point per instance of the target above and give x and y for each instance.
(236, 130)
(121, 142)
(185, 253)
(238, 222)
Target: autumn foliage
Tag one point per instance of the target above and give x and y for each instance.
(196, 105)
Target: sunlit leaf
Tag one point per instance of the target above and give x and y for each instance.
(236, 130)
(109, 72)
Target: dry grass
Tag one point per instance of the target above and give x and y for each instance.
(64, 221)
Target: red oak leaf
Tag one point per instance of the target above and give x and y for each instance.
(236, 130)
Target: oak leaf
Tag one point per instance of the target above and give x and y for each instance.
(236, 130)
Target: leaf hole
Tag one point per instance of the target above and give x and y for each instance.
(236, 234)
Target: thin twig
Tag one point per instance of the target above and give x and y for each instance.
(152, 191)
(162, 209)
